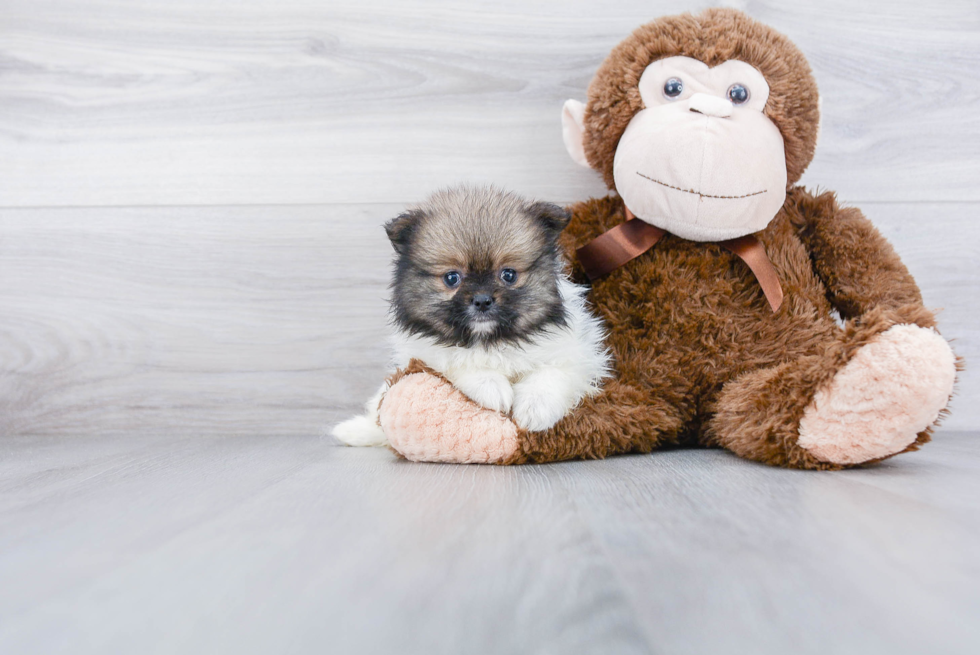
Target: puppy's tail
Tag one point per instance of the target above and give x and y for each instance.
(363, 430)
(359, 431)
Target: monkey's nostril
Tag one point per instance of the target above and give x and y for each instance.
(482, 301)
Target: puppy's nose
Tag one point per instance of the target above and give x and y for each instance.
(482, 301)
(710, 105)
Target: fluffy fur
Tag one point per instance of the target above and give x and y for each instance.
(527, 347)
(713, 36)
(701, 358)
(477, 232)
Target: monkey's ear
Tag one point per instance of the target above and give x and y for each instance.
(401, 228)
(553, 217)
(573, 131)
(816, 137)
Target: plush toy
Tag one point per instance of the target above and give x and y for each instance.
(720, 282)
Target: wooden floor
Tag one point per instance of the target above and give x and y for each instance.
(192, 290)
(296, 545)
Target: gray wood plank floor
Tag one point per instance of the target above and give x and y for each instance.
(294, 544)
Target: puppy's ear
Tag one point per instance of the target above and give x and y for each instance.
(401, 228)
(552, 217)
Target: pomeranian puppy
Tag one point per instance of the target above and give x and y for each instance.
(481, 295)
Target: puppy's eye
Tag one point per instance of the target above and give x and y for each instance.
(738, 94)
(673, 87)
(508, 275)
(452, 279)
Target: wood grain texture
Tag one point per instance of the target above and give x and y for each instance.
(296, 545)
(192, 289)
(223, 320)
(301, 101)
(272, 320)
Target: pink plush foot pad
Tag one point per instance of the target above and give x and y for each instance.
(427, 420)
(892, 389)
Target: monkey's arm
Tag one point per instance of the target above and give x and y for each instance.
(861, 270)
(427, 419)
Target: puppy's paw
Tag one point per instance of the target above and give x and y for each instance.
(359, 431)
(537, 408)
(489, 389)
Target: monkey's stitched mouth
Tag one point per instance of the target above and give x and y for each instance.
(698, 193)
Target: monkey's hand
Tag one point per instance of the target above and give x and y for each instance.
(427, 419)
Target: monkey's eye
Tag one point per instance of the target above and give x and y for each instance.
(508, 275)
(452, 279)
(738, 94)
(673, 87)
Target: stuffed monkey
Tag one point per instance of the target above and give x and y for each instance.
(719, 280)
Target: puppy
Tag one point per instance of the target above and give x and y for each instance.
(480, 294)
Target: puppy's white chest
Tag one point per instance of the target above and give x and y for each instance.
(511, 362)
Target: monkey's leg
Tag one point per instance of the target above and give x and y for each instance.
(426, 419)
(873, 391)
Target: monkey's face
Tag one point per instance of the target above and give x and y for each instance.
(701, 160)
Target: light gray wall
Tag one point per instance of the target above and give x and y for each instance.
(191, 191)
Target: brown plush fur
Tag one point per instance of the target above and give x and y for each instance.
(713, 36)
(701, 359)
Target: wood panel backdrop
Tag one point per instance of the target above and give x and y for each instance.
(191, 191)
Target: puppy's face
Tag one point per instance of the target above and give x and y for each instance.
(477, 266)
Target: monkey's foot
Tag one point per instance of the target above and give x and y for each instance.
(427, 420)
(890, 391)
